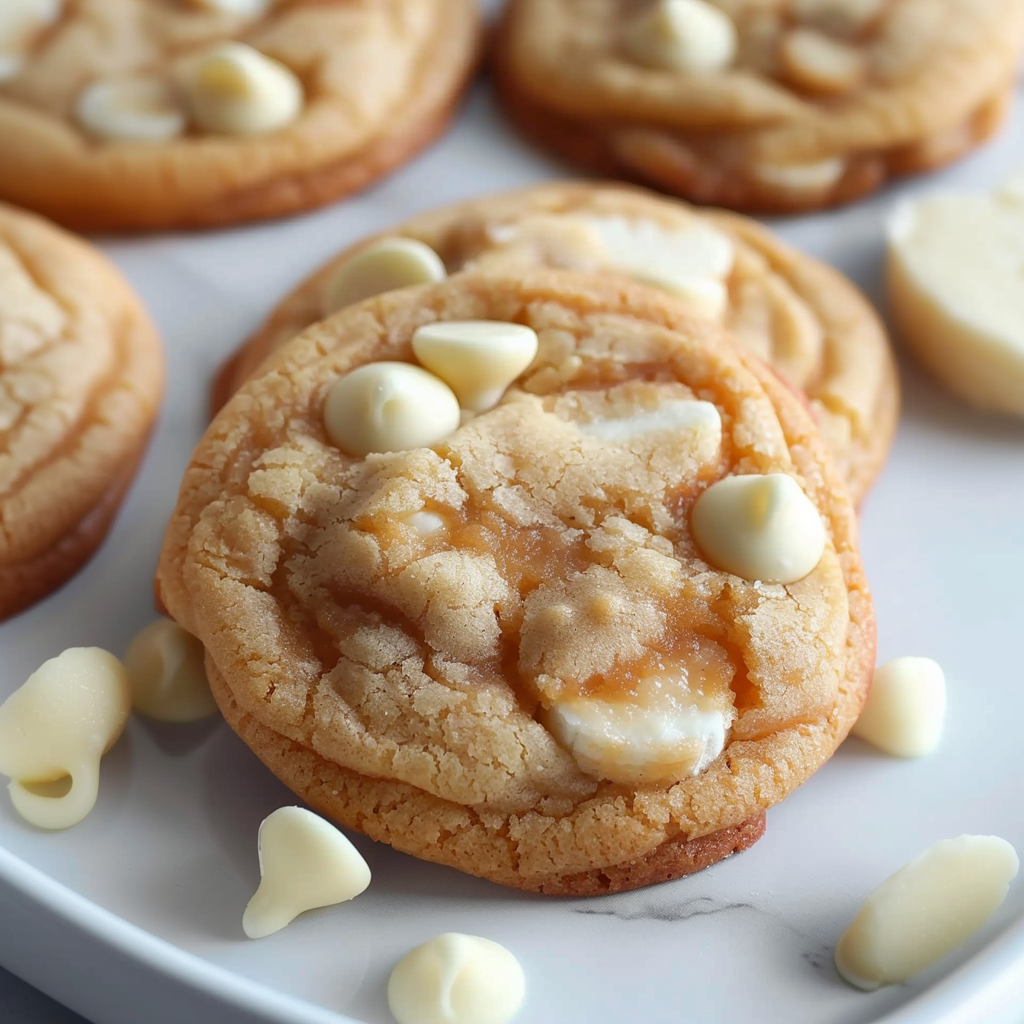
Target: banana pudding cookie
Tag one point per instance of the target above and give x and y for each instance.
(771, 105)
(81, 374)
(530, 575)
(807, 321)
(133, 114)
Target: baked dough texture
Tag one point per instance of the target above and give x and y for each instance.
(81, 375)
(780, 128)
(381, 79)
(395, 677)
(809, 323)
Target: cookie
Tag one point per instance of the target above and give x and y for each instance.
(766, 105)
(131, 114)
(508, 645)
(807, 321)
(81, 375)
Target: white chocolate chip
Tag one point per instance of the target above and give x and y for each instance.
(478, 359)
(682, 35)
(456, 979)
(926, 910)
(241, 8)
(388, 264)
(906, 708)
(759, 527)
(58, 725)
(130, 110)
(234, 89)
(815, 63)
(701, 418)
(813, 177)
(305, 863)
(704, 295)
(426, 524)
(389, 407)
(166, 674)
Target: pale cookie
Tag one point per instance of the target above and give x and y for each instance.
(506, 652)
(81, 374)
(966, 326)
(137, 114)
(774, 106)
(809, 323)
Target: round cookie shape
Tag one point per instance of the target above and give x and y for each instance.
(81, 376)
(133, 114)
(797, 314)
(405, 638)
(820, 103)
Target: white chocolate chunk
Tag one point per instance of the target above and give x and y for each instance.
(704, 295)
(478, 359)
(305, 863)
(926, 910)
(58, 725)
(426, 524)
(967, 328)
(166, 674)
(381, 267)
(681, 35)
(389, 407)
(906, 708)
(759, 527)
(234, 89)
(701, 418)
(130, 110)
(242, 8)
(815, 63)
(456, 979)
(812, 177)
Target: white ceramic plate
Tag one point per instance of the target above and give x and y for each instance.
(134, 915)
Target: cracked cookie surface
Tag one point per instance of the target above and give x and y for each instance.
(804, 319)
(379, 80)
(820, 102)
(403, 672)
(81, 373)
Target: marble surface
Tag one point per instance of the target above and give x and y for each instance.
(171, 845)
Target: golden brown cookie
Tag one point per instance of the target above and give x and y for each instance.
(510, 650)
(770, 105)
(192, 113)
(807, 321)
(81, 374)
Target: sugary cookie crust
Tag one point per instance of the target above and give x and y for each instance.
(381, 80)
(797, 314)
(940, 76)
(404, 663)
(81, 373)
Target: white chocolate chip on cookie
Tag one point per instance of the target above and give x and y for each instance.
(305, 863)
(456, 979)
(815, 63)
(381, 267)
(682, 35)
(813, 177)
(130, 110)
(926, 910)
(234, 89)
(56, 727)
(906, 708)
(478, 359)
(166, 674)
(241, 8)
(759, 527)
(389, 407)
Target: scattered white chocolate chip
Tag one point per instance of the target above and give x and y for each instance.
(905, 709)
(425, 523)
(305, 863)
(759, 527)
(681, 35)
(676, 416)
(478, 359)
(166, 674)
(812, 177)
(58, 725)
(456, 979)
(233, 89)
(815, 63)
(926, 910)
(381, 267)
(389, 407)
(242, 8)
(130, 110)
